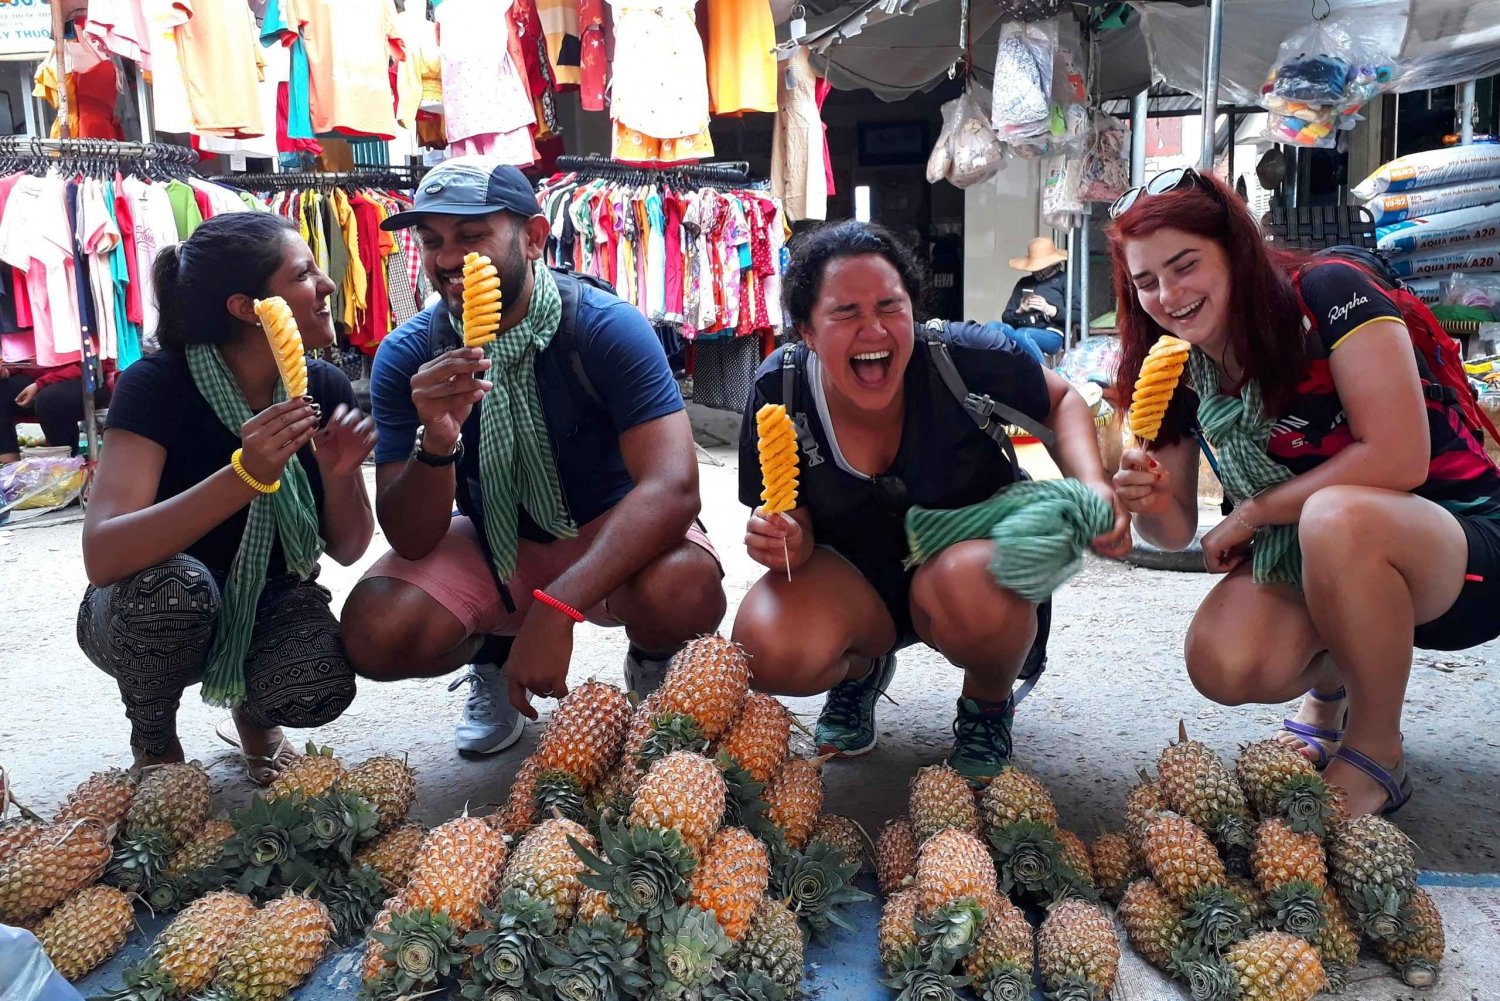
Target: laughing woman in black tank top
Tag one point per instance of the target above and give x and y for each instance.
(880, 432)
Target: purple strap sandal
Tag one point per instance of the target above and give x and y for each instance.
(1396, 782)
(1317, 738)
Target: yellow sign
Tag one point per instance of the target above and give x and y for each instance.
(25, 29)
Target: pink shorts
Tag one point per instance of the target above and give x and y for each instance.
(457, 575)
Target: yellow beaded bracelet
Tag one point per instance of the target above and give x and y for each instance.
(250, 481)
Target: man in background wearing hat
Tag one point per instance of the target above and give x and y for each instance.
(1036, 307)
(567, 447)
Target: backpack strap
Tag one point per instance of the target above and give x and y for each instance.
(569, 289)
(789, 379)
(982, 408)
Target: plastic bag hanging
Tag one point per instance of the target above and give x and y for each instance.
(1323, 74)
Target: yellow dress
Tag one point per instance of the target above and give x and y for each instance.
(741, 56)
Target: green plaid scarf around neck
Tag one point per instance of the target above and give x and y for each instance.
(290, 512)
(516, 468)
(1238, 429)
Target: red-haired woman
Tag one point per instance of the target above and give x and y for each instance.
(1375, 515)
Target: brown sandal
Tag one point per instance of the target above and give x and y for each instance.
(261, 769)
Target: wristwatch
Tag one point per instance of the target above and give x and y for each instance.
(426, 458)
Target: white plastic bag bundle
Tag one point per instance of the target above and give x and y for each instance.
(1062, 204)
(1023, 76)
(1323, 74)
(940, 162)
(1431, 169)
(977, 154)
(1106, 164)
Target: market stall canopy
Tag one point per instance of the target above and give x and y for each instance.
(895, 49)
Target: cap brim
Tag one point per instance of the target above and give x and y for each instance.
(409, 218)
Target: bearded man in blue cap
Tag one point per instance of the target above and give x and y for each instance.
(565, 444)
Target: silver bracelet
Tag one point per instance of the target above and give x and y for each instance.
(1235, 514)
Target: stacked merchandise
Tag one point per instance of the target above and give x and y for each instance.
(116, 205)
(378, 274)
(1323, 74)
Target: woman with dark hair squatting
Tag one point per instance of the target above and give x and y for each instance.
(880, 429)
(211, 507)
(1373, 510)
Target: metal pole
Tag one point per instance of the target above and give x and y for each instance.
(33, 117)
(1466, 103)
(1083, 276)
(59, 26)
(143, 109)
(1211, 53)
(1068, 296)
(1140, 112)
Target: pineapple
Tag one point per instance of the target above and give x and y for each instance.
(999, 967)
(1275, 966)
(611, 798)
(18, 832)
(192, 868)
(419, 949)
(1281, 782)
(1113, 864)
(846, 836)
(186, 955)
(689, 952)
(1373, 864)
(955, 886)
(1028, 860)
(1290, 869)
(170, 805)
(708, 682)
(1183, 863)
(644, 872)
(373, 964)
(1075, 855)
(896, 935)
(593, 904)
(86, 929)
(1153, 922)
(1337, 942)
(508, 949)
(941, 799)
(277, 950)
(683, 792)
(1078, 952)
(1141, 802)
(1418, 952)
(1257, 908)
(393, 854)
(309, 776)
(581, 741)
(759, 739)
(389, 783)
(456, 871)
(1198, 785)
(895, 855)
(545, 866)
(731, 879)
(104, 796)
(61, 860)
(1015, 797)
(772, 946)
(595, 959)
(519, 812)
(795, 798)
(816, 884)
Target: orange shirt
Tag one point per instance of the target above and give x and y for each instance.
(219, 48)
(350, 44)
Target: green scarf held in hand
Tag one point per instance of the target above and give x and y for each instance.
(1238, 429)
(1040, 529)
(516, 468)
(290, 512)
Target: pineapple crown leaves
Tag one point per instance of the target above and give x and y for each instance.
(745, 987)
(597, 960)
(509, 948)
(1072, 989)
(645, 871)
(340, 822)
(558, 794)
(1216, 919)
(1011, 984)
(173, 893)
(1381, 912)
(138, 861)
(1297, 907)
(670, 732)
(816, 885)
(314, 751)
(145, 981)
(423, 947)
(353, 899)
(744, 803)
(270, 846)
(1307, 804)
(926, 985)
(687, 954)
(1209, 978)
(950, 934)
(1028, 859)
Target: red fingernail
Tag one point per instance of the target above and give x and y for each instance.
(1153, 463)
(1158, 476)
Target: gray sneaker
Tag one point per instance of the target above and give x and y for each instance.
(644, 675)
(490, 723)
(846, 726)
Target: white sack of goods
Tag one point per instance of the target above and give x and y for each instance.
(1467, 257)
(1471, 225)
(1431, 169)
(1429, 290)
(1429, 201)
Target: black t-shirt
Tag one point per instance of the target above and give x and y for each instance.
(156, 398)
(945, 461)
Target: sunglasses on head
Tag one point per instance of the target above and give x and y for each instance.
(1167, 180)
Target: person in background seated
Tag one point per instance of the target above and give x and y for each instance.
(53, 397)
(210, 507)
(565, 443)
(1036, 308)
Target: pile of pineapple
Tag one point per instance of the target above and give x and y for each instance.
(266, 892)
(1258, 884)
(673, 849)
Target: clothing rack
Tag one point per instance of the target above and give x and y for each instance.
(395, 177)
(726, 174)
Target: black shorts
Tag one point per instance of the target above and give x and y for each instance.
(1472, 619)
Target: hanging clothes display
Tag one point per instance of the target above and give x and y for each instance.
(659, 83)
(800, 173)
(340, 215)
(93, 88)
(741, 56)
(350, 46)
(487, 107)
(218, 47)
(696, 250)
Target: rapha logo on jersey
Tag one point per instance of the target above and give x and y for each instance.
(1338, 313)
(807, 442)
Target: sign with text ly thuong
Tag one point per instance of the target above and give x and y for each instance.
(25, 28)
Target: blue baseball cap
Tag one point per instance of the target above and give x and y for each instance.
(469, 185)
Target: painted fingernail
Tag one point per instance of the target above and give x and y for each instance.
(1158, 476)
(1153, 463)
(309, 399)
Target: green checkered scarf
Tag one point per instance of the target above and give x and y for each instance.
(516, 468)
(291, 512)
(1238, 429)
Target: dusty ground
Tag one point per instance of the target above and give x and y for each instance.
(1109, 701)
